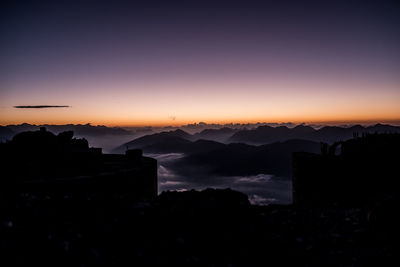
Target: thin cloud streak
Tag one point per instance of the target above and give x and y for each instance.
(42, 106)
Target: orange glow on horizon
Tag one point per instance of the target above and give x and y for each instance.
(224, 100)
(164, 123)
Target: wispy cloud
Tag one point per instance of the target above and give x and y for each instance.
(42, 106)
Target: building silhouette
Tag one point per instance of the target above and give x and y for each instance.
(356, 172)
(43, 161)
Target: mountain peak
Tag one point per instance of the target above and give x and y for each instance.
(179, 133)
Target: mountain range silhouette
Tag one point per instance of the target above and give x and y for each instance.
(258, 136)
(329, 134)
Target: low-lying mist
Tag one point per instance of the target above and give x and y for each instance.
(262, 189)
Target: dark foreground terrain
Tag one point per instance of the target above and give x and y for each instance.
(63, 203)
(208, 228)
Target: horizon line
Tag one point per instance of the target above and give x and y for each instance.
(325, 123)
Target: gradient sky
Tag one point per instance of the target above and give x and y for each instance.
(163, 63)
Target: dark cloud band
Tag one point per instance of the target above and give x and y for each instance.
(42, 106)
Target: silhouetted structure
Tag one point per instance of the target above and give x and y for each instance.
(42, 161)
(93, 227)
(364, 172)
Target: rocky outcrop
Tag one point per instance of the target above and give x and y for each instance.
(363, 172)
(42, 161)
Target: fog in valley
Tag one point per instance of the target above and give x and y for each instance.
(251, 158)
(261, 189)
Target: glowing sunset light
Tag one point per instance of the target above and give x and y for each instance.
(178, 64)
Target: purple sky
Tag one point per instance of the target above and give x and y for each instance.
(134, 63)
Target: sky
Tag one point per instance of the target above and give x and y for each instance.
(176, 62)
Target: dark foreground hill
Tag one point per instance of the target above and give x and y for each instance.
(100, 136)
(208, 228)
(40, 161)
(86, 227)
(365, 169)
